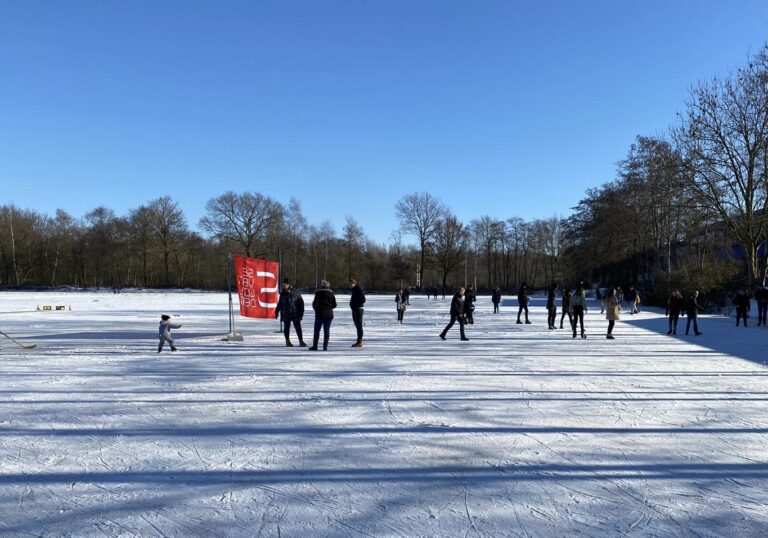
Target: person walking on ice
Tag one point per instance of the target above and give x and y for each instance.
(579, 306)
(165, 332)
(457, 314)
(565, 303)
(357, 305)
(741, 301)
(290, 307)
(612, 311)
(675, 305)
(761, 296)
(469, 304)
(400, 302)
(323, 305)
(522, 301)
(496, 299)
(551, 307)
(692, 310)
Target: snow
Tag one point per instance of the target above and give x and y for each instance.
(519, 432)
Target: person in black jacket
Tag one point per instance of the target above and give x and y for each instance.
(290, 307)
(457, 314)
(400, 304)
(552, 307)
(356, 302)
(496, 299)
(323, 305)
(761, 296)
(675, 305)
(469, 304)
(692, 310)
(742, 306)
(579, 306)
(522, 300)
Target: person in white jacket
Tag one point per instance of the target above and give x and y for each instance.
(165, 332)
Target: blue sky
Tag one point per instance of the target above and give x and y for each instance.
(501, 108)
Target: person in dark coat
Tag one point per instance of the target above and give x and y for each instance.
(742, 306)
(165, 332)
(457, 314)
(356, 302)
(552, 307)
(290, 309)
(675, 305)
(761, 296)
(400, 304)
(579, 306)
(323, 305)
(522, 300)
(692, 310)
(496, 299)
(565, 303)
(469, 304)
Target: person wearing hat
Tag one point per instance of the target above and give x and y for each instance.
(323, 305)
(165, 332)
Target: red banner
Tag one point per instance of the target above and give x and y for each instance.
(257, 286)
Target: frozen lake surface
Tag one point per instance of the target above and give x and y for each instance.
(519, 432)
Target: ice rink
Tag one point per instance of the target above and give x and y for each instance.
(519, 432)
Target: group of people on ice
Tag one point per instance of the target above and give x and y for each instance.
(743, 303)
(290, 308)
(574, 305)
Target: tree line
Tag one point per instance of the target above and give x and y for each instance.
(686, 209)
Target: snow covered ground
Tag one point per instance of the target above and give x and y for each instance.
(519, 432)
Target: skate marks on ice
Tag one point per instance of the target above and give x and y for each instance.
(519, 432)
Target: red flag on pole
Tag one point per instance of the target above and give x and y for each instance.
(257, 286)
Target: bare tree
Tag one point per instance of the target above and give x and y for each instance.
(450, 245)
(170, 226)
(141, 221)
(354, 237)
(399, 264)
(486, 233)
(723, 139)
(297, 227)
(552, 246)
(418, 215)
(243, 219)
(9, 215)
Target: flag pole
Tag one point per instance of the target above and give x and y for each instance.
(232, 336)
(280, 282)
(229, 289)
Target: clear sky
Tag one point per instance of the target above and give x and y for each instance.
(499, 107)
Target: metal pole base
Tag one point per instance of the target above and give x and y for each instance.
(235, 337)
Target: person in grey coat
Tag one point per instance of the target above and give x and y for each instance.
(165, 332)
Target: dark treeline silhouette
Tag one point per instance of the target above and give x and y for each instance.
(685, 210)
